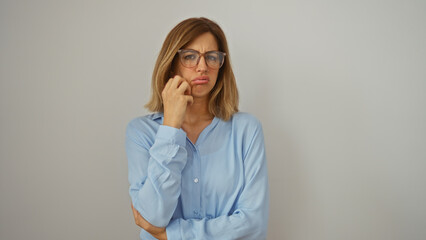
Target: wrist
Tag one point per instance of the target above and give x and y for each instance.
(161, 236)
(174, 124)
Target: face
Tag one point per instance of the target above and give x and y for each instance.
(201, 78)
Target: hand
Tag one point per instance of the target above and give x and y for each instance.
(176, 97)
(157, 232)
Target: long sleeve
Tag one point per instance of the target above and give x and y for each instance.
(250, 218)
(155, 170)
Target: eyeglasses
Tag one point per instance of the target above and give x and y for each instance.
(190, 58)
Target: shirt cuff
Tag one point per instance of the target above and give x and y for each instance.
(173, 230)
(174, 135)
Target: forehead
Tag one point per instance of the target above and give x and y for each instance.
(203, 43)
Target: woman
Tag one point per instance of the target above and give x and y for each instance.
(197, 167)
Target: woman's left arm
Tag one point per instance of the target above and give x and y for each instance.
(157, 232)
(250, 219)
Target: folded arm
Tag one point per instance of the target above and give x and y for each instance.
(155, 172)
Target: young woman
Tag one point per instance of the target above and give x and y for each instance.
(197, 167)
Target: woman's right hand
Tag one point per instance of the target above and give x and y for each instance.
(176, 97)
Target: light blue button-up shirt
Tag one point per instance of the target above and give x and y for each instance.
(216, 188)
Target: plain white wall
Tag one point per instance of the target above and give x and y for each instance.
(340, 87)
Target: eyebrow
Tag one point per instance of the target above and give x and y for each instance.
(198, 51)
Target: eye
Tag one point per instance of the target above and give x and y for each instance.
(190, 57)
(212, 57)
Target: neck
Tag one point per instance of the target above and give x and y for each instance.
(197, 111)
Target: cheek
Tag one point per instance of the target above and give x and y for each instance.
(184, 72)
(215, 75)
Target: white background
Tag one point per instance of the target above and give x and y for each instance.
(340, 87)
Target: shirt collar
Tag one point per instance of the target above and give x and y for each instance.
(159, 116)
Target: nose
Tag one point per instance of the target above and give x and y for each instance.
(202, 65)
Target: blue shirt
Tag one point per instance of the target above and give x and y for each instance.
(216, 188)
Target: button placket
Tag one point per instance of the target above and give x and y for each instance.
(197, 185)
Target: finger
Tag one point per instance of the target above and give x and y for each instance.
(177, 80)
(188, 90)
(184, 88)
(189, 99)
(167, 86)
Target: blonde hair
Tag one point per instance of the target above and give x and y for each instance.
(223, 101)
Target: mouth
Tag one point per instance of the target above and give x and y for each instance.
(200, 80)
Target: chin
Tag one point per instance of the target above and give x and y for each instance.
(201, 93)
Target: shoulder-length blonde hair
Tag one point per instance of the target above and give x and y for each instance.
(223, 101)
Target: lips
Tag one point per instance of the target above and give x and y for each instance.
(200, 80)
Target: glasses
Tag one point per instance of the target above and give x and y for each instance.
(190, 58)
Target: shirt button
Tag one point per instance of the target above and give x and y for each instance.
(196, 180)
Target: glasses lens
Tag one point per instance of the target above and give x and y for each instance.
(214, 59)
(189, 58)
